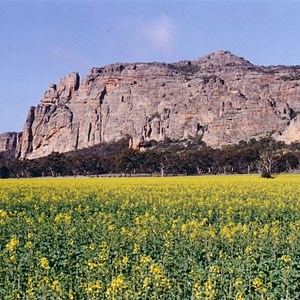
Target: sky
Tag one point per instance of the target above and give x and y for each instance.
(44, 40)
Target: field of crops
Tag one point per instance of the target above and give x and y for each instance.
(235, 237)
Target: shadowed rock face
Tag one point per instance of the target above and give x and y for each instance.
(10, 141)
(220, 97)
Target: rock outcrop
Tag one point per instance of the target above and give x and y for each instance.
(10, 141)
(220, 98)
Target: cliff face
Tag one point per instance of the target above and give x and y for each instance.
(10, 141)
(220, 97)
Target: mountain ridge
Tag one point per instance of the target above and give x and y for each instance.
(220, 98)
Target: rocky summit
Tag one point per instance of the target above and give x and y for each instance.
(220, 98)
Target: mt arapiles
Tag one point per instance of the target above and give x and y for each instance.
(219, 98)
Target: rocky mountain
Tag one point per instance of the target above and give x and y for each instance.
(220, 98)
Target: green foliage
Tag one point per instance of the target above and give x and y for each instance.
(189, 157)
(4, 172)
(290, 77)
(233, 237)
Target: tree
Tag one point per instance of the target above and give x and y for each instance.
(53, 164)
(248, 158)
(4, 172)
(197, 161)
(287, 162)
(268, 161)
(150, 161)
(128, 161)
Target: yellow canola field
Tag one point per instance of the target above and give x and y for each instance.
(210, 237)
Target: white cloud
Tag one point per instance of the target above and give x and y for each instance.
(141, 39)
(160, 33)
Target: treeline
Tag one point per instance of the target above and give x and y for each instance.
(190, 157)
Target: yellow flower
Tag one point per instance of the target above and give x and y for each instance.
(215, 270)
(91, 265)
(136, 248)
(111, 227)
(239, 296)
(12, 244)
(93, 288)
(28, 245)
(56, 287)
(125, 260)
(184, 228)
(248, 250)
(62, 218)
(117, 285)
(239, 281)
(197, 285)
(92, 247)
(123, 231)
(71, 295)
(16, 294)
(29, 221)
(285, 258)
(71, 242)
(193, 236)
(44, 263)
(227, 233)
(257, 283)
(146, 282)
(145, 260)
(164, 282)
(3, 213)
(155, 270)
(210, 292)
(197, 291)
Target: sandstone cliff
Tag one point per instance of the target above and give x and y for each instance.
(10, 141)
(220, 97)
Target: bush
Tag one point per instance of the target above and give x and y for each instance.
(265, 174)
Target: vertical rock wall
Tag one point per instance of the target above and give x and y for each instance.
(10, 141)
(220, 98)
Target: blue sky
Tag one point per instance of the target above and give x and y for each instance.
(44, 40)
